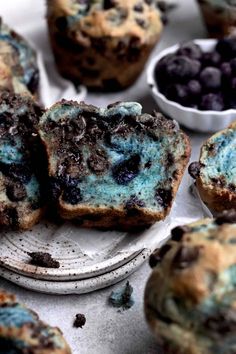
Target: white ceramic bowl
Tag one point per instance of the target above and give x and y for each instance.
(203, 121)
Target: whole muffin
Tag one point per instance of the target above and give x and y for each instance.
(219, 16)
(22, 332)
(18, 65)
(103, 44)
(190, 298)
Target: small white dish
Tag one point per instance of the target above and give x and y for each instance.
(202, 121)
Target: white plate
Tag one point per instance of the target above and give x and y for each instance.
(203, 121)
(77, 286)
(82, 253)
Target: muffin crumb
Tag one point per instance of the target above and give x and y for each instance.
(43, 259)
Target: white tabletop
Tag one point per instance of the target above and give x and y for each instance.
(107, 330)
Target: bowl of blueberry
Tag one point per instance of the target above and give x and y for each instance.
(195, 83)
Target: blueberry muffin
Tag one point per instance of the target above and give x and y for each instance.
(190, 296)
(22, 332)
(18, 66)
(219, 16)
(215, 172)
(20, 192)
(103, 44)
(113, 167)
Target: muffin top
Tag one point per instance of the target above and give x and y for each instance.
(102, 18)
(191, 293)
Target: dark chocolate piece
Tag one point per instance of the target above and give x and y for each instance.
(185, 257)
(226, 217)
(79, 321)
(43, 259)
(194, 169)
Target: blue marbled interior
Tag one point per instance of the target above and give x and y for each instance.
(15, 316)
(103, 188)
(26, 53)
(13, 152)
(223, 161)
(106, 191)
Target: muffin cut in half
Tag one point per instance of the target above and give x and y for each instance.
(190, 295)
(113, 167)
(20, 191)
(215, 173)
(22, 332)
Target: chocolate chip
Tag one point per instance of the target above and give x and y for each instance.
(111, 84)
(157, 256)
(16, 192)
(138, 7)
(125, 171)
(98, 162)
(54, 187)
(226, 217)
(72, 195)
(18, 172)
(223, 322)
(163, 197)
(141, 22)
(185, 257)
(178, 232)
(12, 216)
(79, 321)
(194, 169)
(43, 259)
(148, 164)
(34, 81)
(61, 23)
(108, 4)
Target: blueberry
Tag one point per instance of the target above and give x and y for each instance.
(160, 72)
(177, 93)
(233, 65)
(212, 102)
(125, 171)
(194, 88)
(226, 70)
(182, 68)
(72, 195)
(233, 85)
(191, 50)
(210, 78)
(227, 47)
(226, 76)
(211, 59)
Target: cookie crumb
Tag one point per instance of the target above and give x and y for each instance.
(79, 321)
(43, 259)
(122, 297)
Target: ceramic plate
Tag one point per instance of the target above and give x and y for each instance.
(82, 253)
(77, 286)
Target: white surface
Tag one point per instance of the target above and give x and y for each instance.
(203, 121)
(108, 331)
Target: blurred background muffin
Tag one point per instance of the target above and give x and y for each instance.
(103, 44)
(18, 64)
(219, 16)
